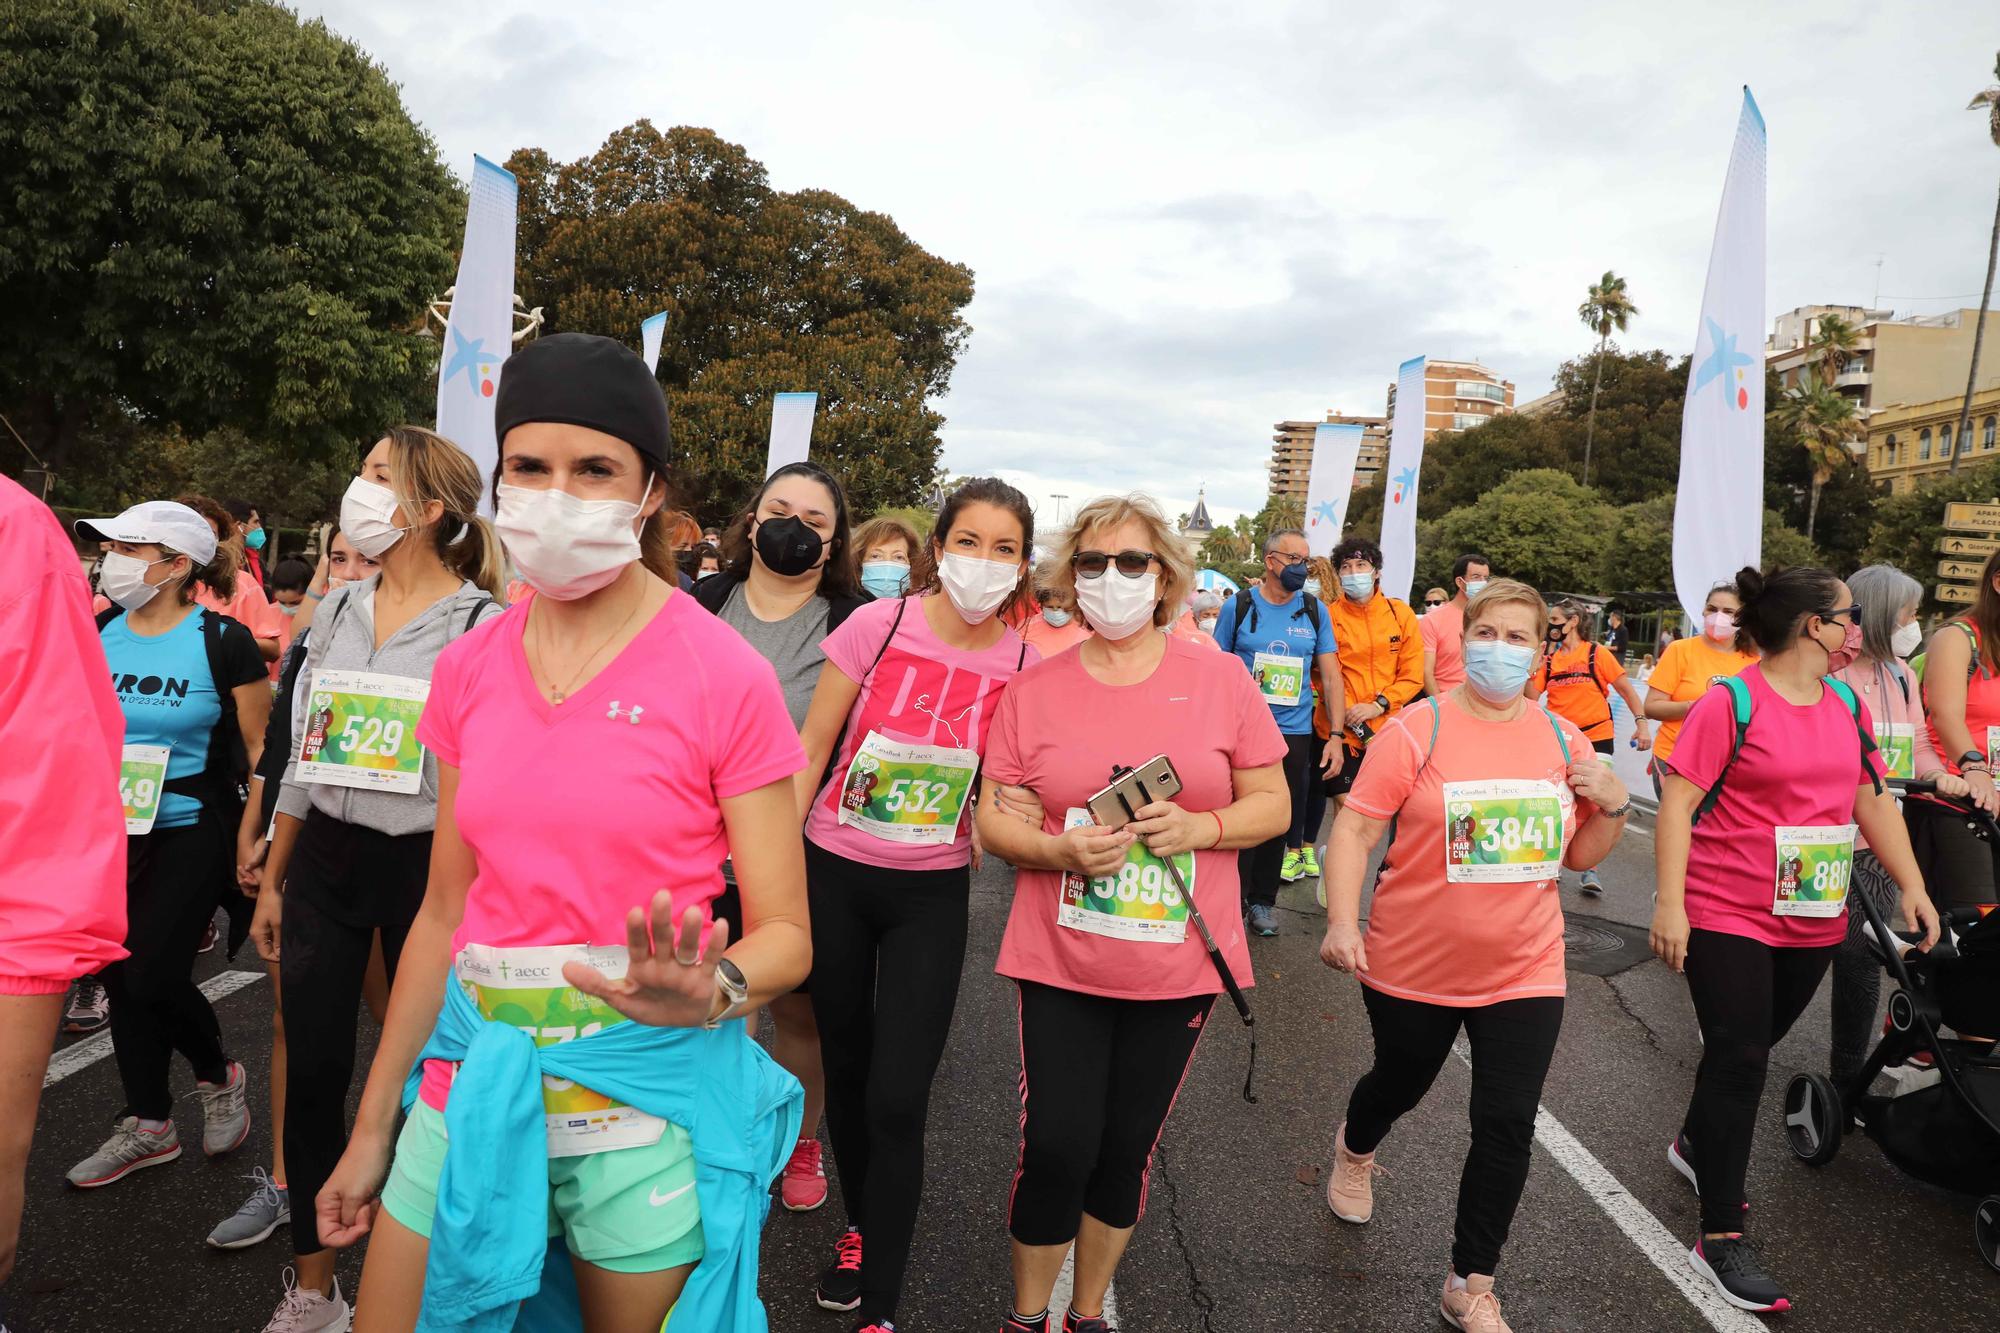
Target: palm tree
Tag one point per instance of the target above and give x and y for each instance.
(1607, 308)
(1990, 99)
(1823, 420)
(1837, 341)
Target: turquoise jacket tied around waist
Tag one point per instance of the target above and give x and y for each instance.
(489, 1240)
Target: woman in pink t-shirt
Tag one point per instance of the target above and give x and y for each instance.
(1490, 796)
(600, 748)
(1755, 851)
(1115, 985)
(909, 687)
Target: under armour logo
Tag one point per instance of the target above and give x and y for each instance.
(615, 712)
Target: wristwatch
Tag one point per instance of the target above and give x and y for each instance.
(1972, 759)
(1620, 812)
(1382, 702)
(731, 984)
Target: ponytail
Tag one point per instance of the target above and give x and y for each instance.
(1777, 603)
(475, 555)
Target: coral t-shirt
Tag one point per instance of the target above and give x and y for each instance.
(1489, 927)
(577, 812)
(1443, 633)
(922, 692)
(1058, 732)
(1800, 767)
(1685, 672)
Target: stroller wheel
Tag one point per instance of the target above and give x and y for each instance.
(1986, 1230)
(1813, 1123)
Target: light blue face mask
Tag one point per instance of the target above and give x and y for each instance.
(1312, 587)
(1473, 587)
(1056, 616)
(1358, 587)
(885, 578)
(1497, 671)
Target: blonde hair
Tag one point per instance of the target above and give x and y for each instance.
(424, 467)
(1504, 592)
(1176, 560)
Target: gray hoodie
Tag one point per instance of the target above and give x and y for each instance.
(343, 639)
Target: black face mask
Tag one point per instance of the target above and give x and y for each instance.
(689, 561)
(787, 546)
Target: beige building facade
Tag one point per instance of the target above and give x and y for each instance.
(1292, 453)
(1459, 395)
(1908, 442)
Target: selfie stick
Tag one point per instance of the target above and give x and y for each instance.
(1118, 774)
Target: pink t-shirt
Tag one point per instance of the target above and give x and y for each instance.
(1799, 767)
(578, 812)
(1047, 639)
(1443, 633)
(1058, 732)
(1457, 943)
(62, 830)
(923, 692)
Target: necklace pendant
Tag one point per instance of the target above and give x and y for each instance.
(558, 696)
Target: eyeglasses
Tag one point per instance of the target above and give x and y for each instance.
(1853, 613)
(1092, 564)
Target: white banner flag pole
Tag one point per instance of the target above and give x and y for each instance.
(652, 330)
(1405, 467)
(1336, 449)
(791, 429)
(1719, 506)
(480, 332)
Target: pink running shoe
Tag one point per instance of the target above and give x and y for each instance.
(1473, 1307)
(804, 1185)
(1350, 1186)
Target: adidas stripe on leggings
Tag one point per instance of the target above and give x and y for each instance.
(1098, 1077)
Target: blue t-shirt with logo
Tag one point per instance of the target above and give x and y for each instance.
(169, 697)
(1287, 629)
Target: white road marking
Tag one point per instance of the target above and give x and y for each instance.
(1667, 1253)
(1065, 1287)
(75, 1059)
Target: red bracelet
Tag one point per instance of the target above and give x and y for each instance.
(1218, 829)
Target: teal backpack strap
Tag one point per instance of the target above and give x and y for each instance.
(1739, 702)
(1868, 746)
(1556, 727)
(1386, 847)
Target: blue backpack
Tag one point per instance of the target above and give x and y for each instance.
(1739, 700)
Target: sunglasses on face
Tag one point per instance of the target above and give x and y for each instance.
(1092, 564)
(1432, 605)
(1852, 613)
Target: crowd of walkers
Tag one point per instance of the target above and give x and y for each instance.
(765, 761)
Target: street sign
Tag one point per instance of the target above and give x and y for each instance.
(1980, 547)
(1956, 592)
(1962, 516)
(1960, 569)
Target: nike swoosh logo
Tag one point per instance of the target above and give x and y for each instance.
(656, 1198)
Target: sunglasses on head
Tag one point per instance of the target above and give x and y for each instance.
(1092, 564)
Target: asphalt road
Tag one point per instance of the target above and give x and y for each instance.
(1237, 1235)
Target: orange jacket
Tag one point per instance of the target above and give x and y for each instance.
(1381, 652)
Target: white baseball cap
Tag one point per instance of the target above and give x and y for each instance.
(155, 523)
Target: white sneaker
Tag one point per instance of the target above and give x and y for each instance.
(225, 1112)
(306, 1311)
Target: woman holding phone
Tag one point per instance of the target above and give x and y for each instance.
(1115, 984)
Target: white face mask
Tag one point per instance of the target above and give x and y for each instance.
(368, 517)
(1206, 624)
(1116, 606)
(122, 578)
(977, 587)
(1907, 639)
(567, 548)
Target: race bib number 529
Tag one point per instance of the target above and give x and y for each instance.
(361, 731)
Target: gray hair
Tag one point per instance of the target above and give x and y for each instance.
(1882, 592)
(1271, 542)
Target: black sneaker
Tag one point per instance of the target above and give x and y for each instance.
(1076, 1323)
(1680, 1156)
(1730, 1263)
(1013, 1323)
(839, 1287)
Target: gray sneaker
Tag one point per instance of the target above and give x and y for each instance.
(225, 1112)
(268, 1208)
(1263, 920)
(127, 1150)
(306, 1311)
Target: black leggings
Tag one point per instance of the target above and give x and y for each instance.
(1098, 1077)
(1512, 1044)
(323, 958)
(172, 877)
(1747, 994)
(888, 946)
(1258, 867)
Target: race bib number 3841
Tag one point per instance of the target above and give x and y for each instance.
(1502, 831)
(361, 731)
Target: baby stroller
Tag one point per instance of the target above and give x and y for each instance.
(1949, 1133)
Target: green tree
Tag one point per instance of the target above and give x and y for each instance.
(1822, 422)
(1637, 452)
(1835, 344)
(1541, 526)
(1607, 307)
(217, 216)
(1640, 556)
(1989, 98)
(765, 292)
(1907, 527)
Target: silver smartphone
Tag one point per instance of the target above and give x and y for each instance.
(1154, 780)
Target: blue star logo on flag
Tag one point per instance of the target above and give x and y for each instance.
(468, 355)
(1724, 363)
(1406, 481)
(1326, 510)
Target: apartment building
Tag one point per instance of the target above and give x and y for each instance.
(1292, 454)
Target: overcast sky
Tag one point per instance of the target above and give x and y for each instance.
(1189, 221)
